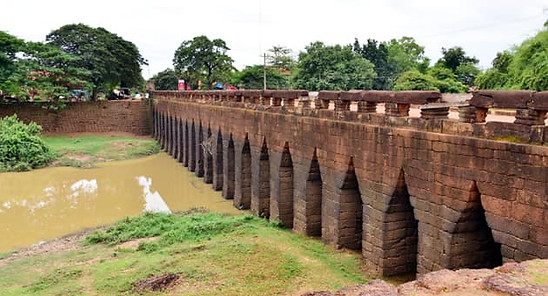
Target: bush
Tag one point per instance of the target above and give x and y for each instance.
(414, 80)
(21, 148)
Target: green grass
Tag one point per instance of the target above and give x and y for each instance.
(214, 254)
(85, 151)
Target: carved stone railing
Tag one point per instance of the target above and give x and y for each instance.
(530, 109)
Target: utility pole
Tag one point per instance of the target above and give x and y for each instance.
(264, 71)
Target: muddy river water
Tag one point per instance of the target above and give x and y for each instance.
(52, 202)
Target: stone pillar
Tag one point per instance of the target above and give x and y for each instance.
(276, 102)
(218, 163)
(367, 107)
(199, 151)
(169, 145)
(321, 104)
(242, 192)
(530, 117)
(471, 114)
(260, 183)
(289, 104)
(180, 140)
(397, 110)
(434, 112)
(341, 105)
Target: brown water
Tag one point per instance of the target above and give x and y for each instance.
(48, 203)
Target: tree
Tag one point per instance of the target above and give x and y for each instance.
(502, 61)
(323, 67)
(281, 58)
(529, 66)
(454, 57)
(415, 80)
(445, 80)
(111, 60)
(405, 54)
(9, 46)
(458, 62)
(252, 78)
(203, 59)
(523, 67)
(392, 58)
(378, 55)
(166, 80)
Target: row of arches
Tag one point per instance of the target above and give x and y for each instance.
(270, 188)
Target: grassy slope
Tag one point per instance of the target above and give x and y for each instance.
(85, 150)
(214, 254)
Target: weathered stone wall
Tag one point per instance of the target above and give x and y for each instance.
(414, 194)
(94, 117)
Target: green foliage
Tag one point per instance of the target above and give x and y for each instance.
(524, 67)
(463, 66)
(21, 147)
(378, 55)
(454, 57)
(502, 61)
(280, 57)
(203, 59)
(491, 79)
(170, 228)
(392, 58)
(529, 66)
(324, 67)
(47, 74)
(251, 258)
(415, 80)
(111, 60)
(405, 54)
(50, 280)
(166, 80)
(445, 80)
(252, 78)
(9, 46)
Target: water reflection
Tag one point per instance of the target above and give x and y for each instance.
(48, 203)
(153, 201)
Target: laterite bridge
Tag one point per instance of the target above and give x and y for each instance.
(414, 194)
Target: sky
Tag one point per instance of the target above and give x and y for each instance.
(481, 27)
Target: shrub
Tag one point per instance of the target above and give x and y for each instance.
(21, 148)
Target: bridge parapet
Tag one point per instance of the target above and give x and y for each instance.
(524, 111)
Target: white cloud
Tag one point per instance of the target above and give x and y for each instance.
(482, 28)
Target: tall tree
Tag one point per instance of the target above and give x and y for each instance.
(336, 67)
(454, 57)
(377, 53)
(112, 60)
(9, 46)
(203, 59)
(280, 57)
(166, 80)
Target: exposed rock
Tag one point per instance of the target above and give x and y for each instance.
(157, 283)
(529, 278)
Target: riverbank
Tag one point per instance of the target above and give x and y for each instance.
(86, 150)
(195, 253)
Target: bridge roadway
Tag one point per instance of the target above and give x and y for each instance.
(414, 194)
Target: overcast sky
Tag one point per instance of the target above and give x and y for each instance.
(481, 27)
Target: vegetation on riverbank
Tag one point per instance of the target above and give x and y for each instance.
(21, 147)
(86, 150)
(190, 254)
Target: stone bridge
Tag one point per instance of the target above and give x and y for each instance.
(414, 194)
